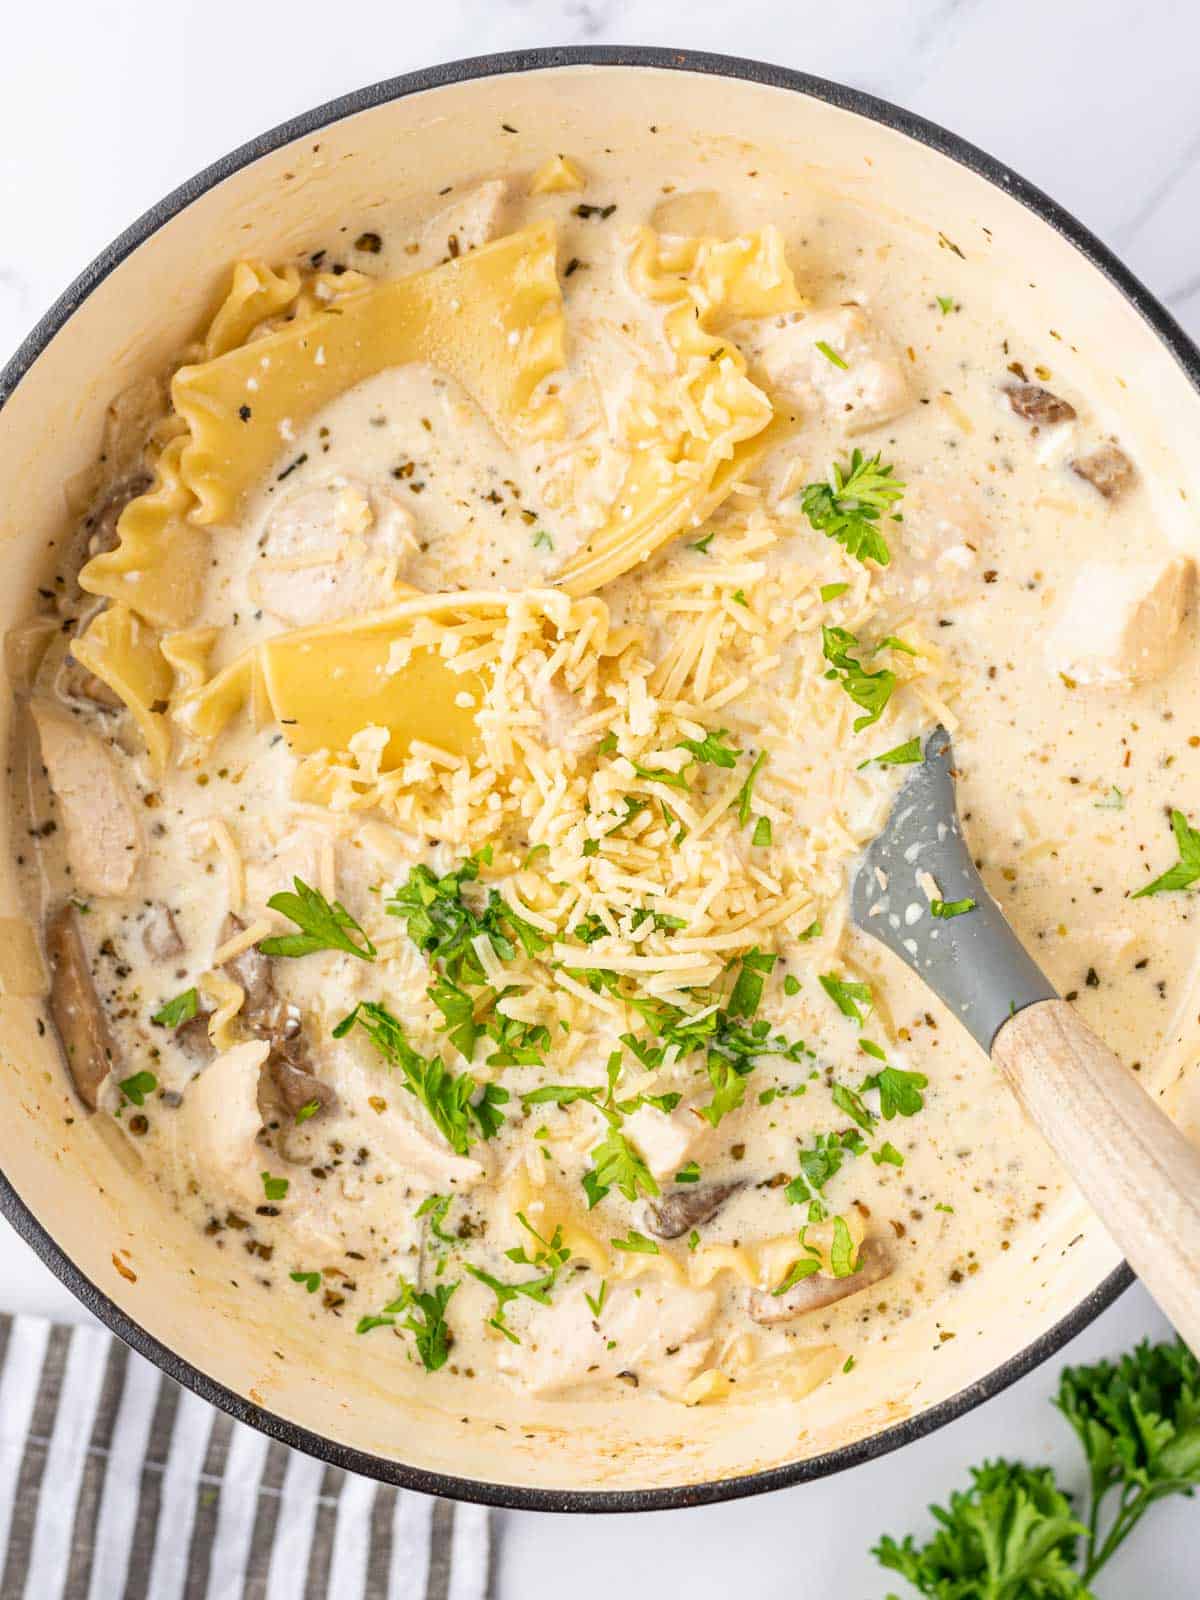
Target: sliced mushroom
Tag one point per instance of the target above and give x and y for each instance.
(75, 1008)
(1035, 404)
(688, 1207)
(261, 1009)
(296, 1087)
(813, 1294)
(1108, 470)
(160, 934)
(287, 1083)
(192, 1038)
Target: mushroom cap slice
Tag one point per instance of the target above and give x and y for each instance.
(687, 1207)
(818, 1291)
(75, 1008)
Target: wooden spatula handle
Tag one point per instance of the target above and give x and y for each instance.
(1137, 1171)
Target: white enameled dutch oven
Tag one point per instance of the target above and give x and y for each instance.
(65, 1186)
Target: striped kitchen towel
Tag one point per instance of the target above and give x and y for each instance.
(116, 1484)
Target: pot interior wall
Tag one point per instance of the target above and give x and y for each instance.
(76, 1180)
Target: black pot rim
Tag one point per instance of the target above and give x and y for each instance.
(21, 1217)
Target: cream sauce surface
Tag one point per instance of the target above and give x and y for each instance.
(300, 1155)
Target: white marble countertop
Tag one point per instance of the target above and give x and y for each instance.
(107, 104)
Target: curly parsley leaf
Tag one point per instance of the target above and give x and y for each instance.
(1010, 1536)
(1187, 869)
(1138, 1420)
(849, 505)
(323, 926)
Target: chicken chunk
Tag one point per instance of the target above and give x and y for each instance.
(217, 1139)
(864, 387)
(818, 1291)
(474, 219)
(1121, 624)
(651, 1333)
(936, 550)
(669, 1141)
(103, 837)
(332, 551)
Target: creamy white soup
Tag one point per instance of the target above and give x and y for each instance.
(456, 719)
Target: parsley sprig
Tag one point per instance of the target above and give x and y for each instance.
(849, 505)
(1013, 1535)
(322, 925)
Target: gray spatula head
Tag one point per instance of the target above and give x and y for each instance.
(974, 961)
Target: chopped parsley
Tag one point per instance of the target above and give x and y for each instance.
(617, 1165)
(179, 1010)
(945, 909)
(830, 591)
(636, 1243)
(689, 1174)
(307, 1110)
(902, 755)
(712, 749)
(274, 1188)
(425, 1320)
(322, 926)
(831, 355)
(762, 832)
(869, 690)
(849, 505)
(887, 1154)
(731, 1040)
(847, 996)
(449, 1099)
(549, 1257)
(819, 1165)
(136, 1088)
(843, 1257)
(310, 1280)
(745, 795)
(899, 1091)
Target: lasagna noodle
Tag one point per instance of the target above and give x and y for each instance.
(711, 424)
